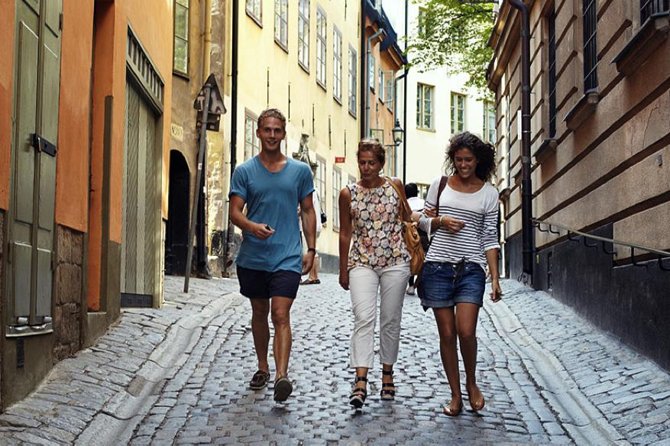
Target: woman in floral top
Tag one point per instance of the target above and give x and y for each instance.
(373, 260)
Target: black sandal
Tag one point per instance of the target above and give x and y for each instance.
(358, 394)
(388, 389)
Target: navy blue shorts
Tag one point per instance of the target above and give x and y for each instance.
(266, 284)
(445, 284)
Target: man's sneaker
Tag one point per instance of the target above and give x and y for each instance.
(283, 389)
(410, 290)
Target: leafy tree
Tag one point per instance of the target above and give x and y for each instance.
(454, 33)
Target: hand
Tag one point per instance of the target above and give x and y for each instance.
(496, 291)
(451, 224)
(307, 262)
(344, 280)
(262, 231)
(432, 213)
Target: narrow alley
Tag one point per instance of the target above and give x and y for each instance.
(179, 375)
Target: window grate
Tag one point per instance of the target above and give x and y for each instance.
(590, 46)
(653, 8)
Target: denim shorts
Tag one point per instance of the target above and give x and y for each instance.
(266, 284)
(445, 284)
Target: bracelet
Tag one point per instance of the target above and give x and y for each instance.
(311, 250)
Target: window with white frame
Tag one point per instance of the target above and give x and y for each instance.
(424, 106)
(337, 64)
(180, 59)
(320, 181)
(372, 71)
(254, 10)
(353, 60)
(389, 93)
(380, 90)
(321, 31)
(303, 34)
(489, 122)
(281, 23)
(457, 113)
(335, 195)
(252, 145)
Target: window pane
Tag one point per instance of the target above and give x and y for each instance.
(181, 21)
(181, 55)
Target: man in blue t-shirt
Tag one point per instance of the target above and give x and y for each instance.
(270, 260)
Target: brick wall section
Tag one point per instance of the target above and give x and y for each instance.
(68, 292)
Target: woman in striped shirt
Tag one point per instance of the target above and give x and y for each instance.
(464, 243)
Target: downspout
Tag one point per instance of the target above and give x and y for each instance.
(207, 41)
(363, 71)
(368, 51)
(201, 265)
(404, 105)
(526, 184)
(233, 130)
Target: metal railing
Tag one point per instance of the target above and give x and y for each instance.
(652, 8)
(605, 243)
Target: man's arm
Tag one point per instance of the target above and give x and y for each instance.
(308, 217)
(239, 219)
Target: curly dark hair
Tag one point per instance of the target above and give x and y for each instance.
(372, 145)
(483, 151)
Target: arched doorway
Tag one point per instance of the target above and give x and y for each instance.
(176, 233)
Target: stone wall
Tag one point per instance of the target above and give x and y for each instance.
(68, 292)
(2, 290)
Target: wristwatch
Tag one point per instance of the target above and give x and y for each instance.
(311, 250)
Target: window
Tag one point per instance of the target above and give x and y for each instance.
(254, 10)
(457, 113)
(303, 34)
(353, 58)
(590, 47)
(651, 8)
(320, 181)
(380, 91)
(422, 26)
(424, 106)
(372, 71)
(489, 122)
(180, 59)
(252, 145)
(337, 65)
(551, 72)
(388, 90)
(281, 23)
(337, 184)
(321, 29)
(391, 158)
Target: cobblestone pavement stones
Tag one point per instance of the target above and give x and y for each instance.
(179, 375)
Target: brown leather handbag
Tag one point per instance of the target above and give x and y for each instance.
(410, 233)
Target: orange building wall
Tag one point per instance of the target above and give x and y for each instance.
(153, 26)
(6, 96)
(74, 109)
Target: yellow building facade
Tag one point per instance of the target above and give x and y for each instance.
(302, 57)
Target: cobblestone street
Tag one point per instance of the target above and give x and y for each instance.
(179, 375)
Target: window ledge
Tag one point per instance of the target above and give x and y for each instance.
(584, 108)
(652, 33)
(281, 45)
(547, 148)
(253, 17)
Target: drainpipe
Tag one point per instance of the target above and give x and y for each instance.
(368, 51)
(526, 184)
(404, 112)
(207, 41)
(227, 255)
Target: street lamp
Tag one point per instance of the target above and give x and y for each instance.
(398, 133)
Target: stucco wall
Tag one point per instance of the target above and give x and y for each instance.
(6, 98)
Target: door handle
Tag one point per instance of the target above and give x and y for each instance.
(41, 144)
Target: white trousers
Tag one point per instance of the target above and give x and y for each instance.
(364, 284)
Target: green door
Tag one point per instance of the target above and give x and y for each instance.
(31, 214)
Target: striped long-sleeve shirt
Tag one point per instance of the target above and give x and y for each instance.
(479, 211)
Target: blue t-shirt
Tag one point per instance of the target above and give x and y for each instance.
(272, 198)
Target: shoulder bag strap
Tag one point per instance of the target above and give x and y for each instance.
(404, 206)
(443, 184)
